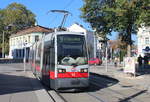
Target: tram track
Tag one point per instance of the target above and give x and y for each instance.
(112, 81)
(56, 96)
(121, 95)
(102, 93)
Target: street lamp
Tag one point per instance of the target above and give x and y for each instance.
(95, 43)
(24, 59)
(3, 48)
(106, 50)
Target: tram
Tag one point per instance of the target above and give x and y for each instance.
(60, 60)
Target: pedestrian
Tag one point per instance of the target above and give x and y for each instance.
(115, 61)
(140, 59)
(145, 61)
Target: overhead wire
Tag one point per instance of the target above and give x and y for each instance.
(65, 7)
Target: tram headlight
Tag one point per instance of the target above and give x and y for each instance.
(84, 70)
(61, 70)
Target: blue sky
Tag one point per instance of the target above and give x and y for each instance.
(41, 7)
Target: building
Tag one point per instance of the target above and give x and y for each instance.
(92, 40)
(27, 37)
(24, 39)
(143, 37)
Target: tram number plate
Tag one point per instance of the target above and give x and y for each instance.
(75, 82)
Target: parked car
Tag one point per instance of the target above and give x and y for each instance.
(95, 61)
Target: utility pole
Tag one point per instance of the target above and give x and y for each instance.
(24, 59)
(3, 48)
(106, 66)
(106, 50)
(95, 43)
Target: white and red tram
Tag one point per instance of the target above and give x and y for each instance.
(60, 60)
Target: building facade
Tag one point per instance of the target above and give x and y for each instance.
(143, 37)
(92, 41)
(24, 39)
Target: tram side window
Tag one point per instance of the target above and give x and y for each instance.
(46, 61)
(52, 54)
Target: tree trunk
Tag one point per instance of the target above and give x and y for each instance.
(129, 50)
(129, 31)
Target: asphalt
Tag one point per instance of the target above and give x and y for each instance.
(140, 80)
(19, 86)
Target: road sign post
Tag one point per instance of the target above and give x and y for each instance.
(24, 59)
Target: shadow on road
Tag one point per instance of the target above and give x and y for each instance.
(98, 82)
(10, 83)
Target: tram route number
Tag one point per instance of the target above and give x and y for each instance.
(73, 70)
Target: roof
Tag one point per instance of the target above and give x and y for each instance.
(34, 29)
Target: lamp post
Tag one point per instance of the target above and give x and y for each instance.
(95, 43)
(106, 50)
(3, 48)
(24, 59)
(106, 66)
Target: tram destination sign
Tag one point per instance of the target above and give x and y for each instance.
(71, 39)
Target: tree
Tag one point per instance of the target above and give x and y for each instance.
(92, 12)
(18, 16)
(124, 16)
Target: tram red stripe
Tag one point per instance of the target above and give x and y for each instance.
(37, 68)
(52, 74)
(72, 75)
(68, 75)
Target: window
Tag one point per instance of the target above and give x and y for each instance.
(36, 38)
(146, 40)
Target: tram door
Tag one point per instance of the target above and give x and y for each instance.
(46, 66)
(52, 64)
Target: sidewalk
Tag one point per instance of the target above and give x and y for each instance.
(19, 86)
(140, 81)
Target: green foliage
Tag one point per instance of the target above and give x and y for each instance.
(16, 15)
(124, 16)
(92, 12)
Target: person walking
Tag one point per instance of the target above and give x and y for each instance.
(115, 61)
(145, 61)
(140, 59)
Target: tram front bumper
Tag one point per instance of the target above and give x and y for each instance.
(70, 83)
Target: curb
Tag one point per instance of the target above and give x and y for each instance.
(39, 90)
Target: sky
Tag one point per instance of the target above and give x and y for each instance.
(41, 7)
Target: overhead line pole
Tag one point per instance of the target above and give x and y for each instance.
(3, 48)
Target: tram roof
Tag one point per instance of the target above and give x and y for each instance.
(49, 36)
(66, 32)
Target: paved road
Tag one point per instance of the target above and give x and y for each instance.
(104, 89)
(19, 86)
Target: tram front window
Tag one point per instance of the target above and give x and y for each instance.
(71, 50)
